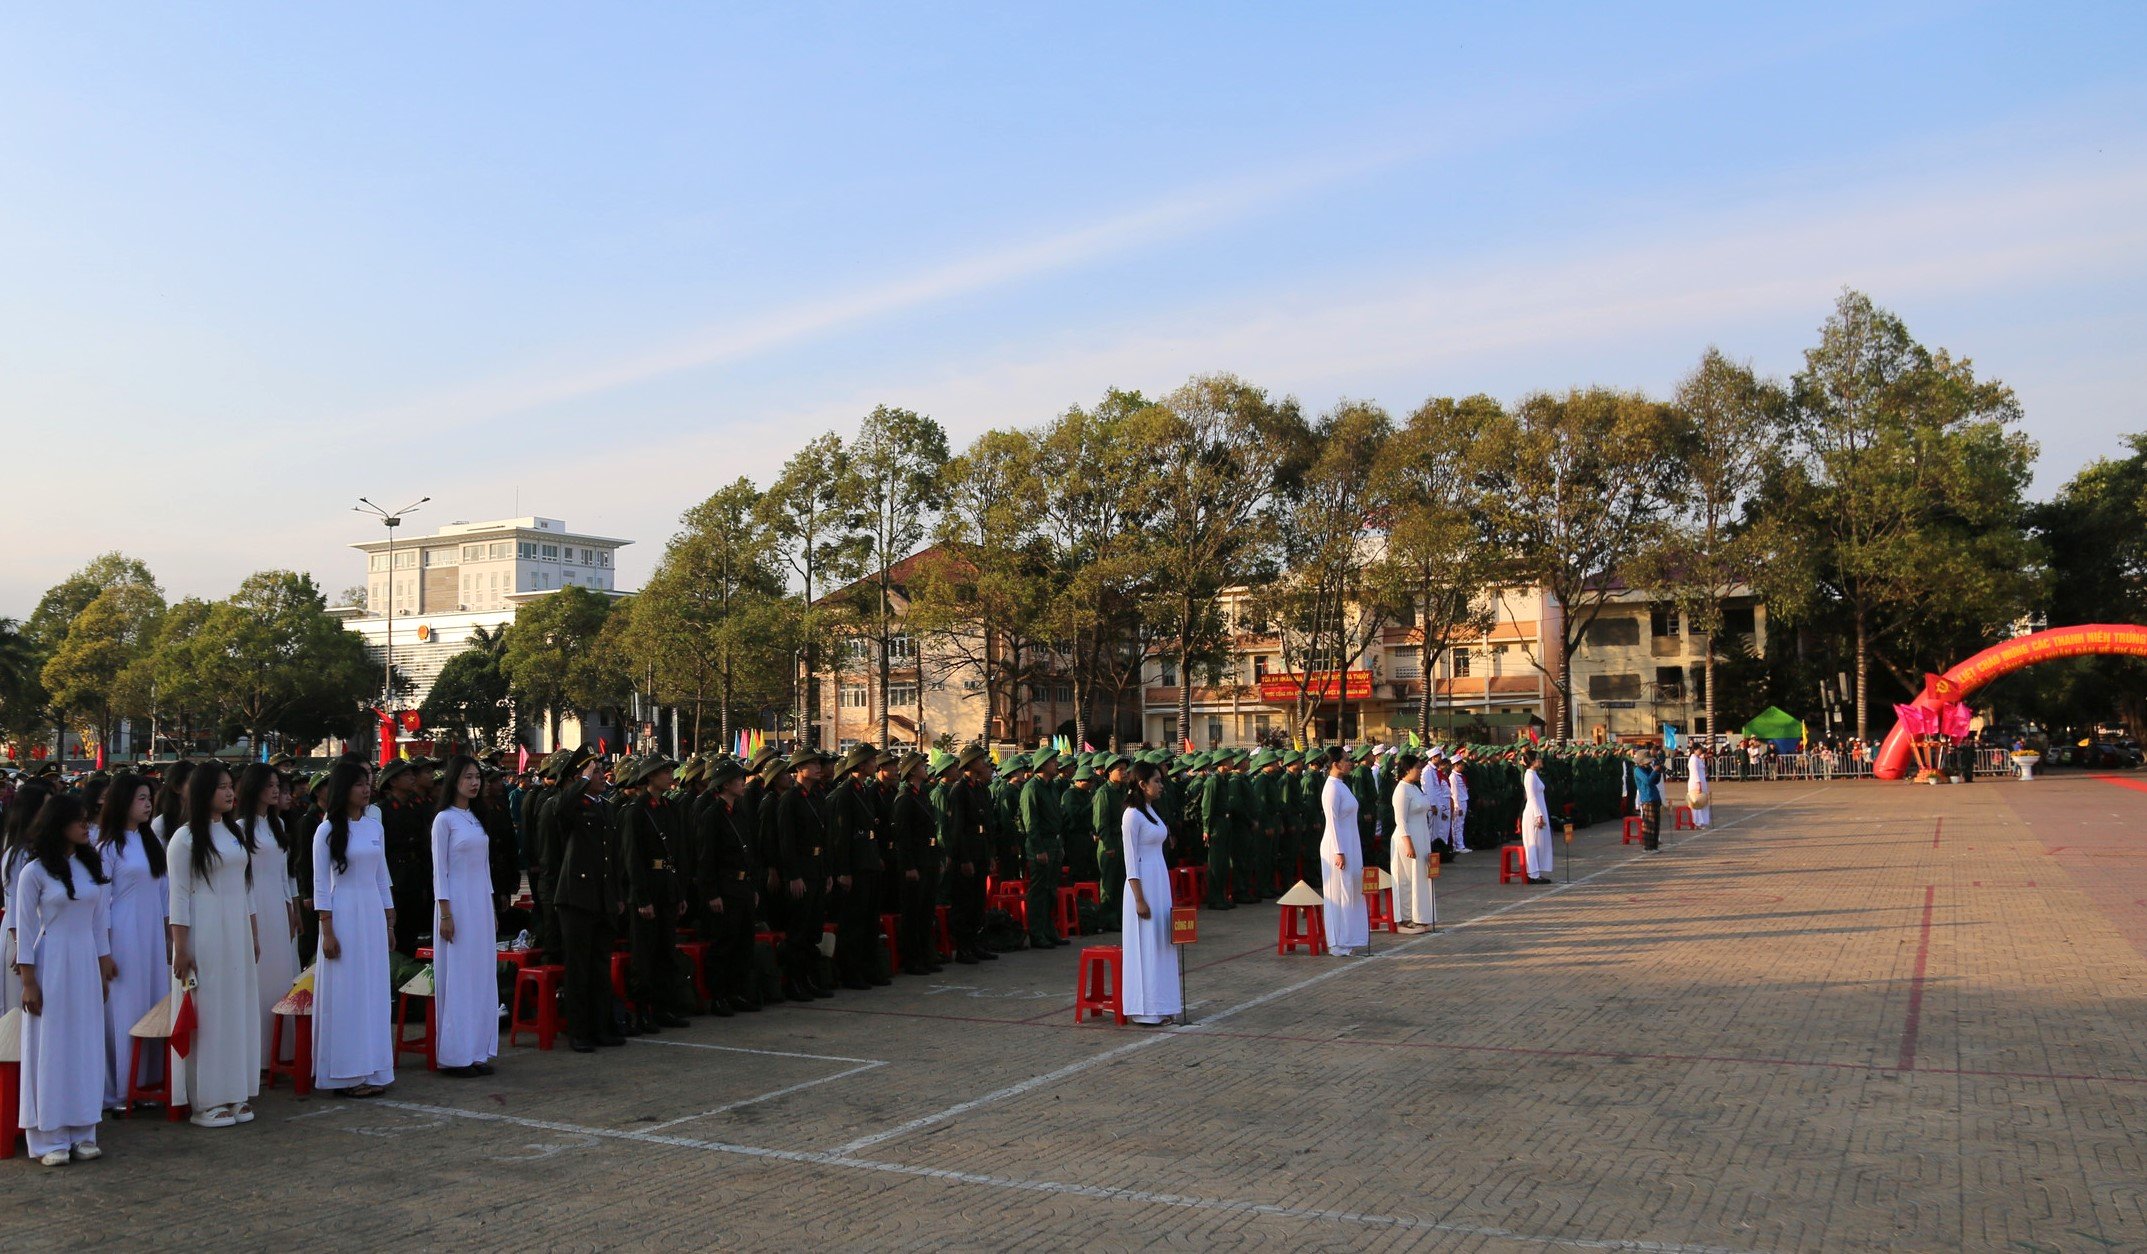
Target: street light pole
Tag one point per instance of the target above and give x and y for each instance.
(391, 520)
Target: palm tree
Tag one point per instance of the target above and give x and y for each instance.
(493, 640)
(19, 666)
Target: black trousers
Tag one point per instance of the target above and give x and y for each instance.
(965, 907)
(857, 928)
(729, 933)
(548, 937)
(804, 919)
(916, 933)
(655, 979)
(1043, 895)
(586, 942)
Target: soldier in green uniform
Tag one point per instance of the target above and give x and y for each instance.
(586, 896)
(1041, 822)
(915, 837)
(1107, 813)
(854, 860)
(972, 824)
(725, 876)
(775, 780)
(1269, 813)
(802, 847)
(650, 839)
(1077, 824)
(1217, 814)
(1008, 857)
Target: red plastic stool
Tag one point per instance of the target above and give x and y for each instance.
(1512, 864)
(696, 952)
(300, 1068)
(1632, 829)
(540, 985)
(1379, 911)
(1681, 819)
(890, 932)
(1013, 897)
(425, 1041)
(1066, 913)
(770, 939)
(1301, 927)
(10, 1107)
(160, 1092)
(1188, 885)
(1088, 890)
(1096, 983)
(620, 961)
(943, 921)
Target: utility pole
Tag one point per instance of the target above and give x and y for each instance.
(391, 520)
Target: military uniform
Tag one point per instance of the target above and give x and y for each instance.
(651, 837)
(1216, 819)
(853, 842)
(972, 830)
(1040, 823)
(802, 848)
(1107, 817)
(406, 831)
(586, 896)
(725, 873)
(914, 833)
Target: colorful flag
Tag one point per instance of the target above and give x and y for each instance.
(521, 759)
(1804, 734)
(1669, 737)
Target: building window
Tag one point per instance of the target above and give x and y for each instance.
(1620, 630)
(1739, 620)
(1170, 731)
(1169, 679)
(1669, 683)
(901, 696)
(603, 557)
(1662, 620)
(378, 561)
(1405, 661)
(1614, 687)
(902, 649)
(526, 550)
(1458, 663)
(406, 560)
(855, 697)
(498, 550)
(856, 649)
(1215, 730)
(1259, 666)
(549, 552)
(1064, 692)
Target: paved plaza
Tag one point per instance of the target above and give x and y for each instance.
(1854, 1015)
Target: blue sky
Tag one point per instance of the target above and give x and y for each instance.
(256, 261)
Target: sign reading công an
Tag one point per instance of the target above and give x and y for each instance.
(1184, 925)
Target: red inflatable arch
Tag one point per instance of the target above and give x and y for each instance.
(2003, 659)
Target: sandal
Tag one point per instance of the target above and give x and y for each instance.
(242, 1113)
(214, 1117)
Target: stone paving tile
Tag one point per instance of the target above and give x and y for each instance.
(1855, 1016)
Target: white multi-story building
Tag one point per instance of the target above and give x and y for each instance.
(467, 575)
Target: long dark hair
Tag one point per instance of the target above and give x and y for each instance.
(1142, 773)
(254, 781)
(171, 798)
(201, 789)
(48, 840)
(450, 775)
(345, 774)
(112, 826)
(21, 811)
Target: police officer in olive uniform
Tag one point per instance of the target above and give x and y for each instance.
(1040, 824)
(972, 829)
(802, 848)
(650, 840)
(1216, 826)
(585, 893)
(725, 870)
(406, 831)
(914, 834)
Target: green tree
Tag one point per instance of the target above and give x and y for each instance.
(1576, 489)
(46, 628)
(812, 509)
(1435, 562)
(276, 660)
(1901, 501)
(20, 694)
(466, 696)
(896, 462)
(1219, 450)
(1730, 424)
(83, 676)
(980, 597)
(551, 658)
(713, 624)
(169, 682)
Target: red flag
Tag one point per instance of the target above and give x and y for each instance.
(601, 747)
(1189, 745)
(183, 1023)
(521, 759)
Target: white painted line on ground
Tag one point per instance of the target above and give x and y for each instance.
(765, 1097)
(1091, 1191)
(770, 1053)
(1160, 1035)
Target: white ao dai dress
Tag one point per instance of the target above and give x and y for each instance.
(1416, 818)
(353, 1032)
(63, 1046)
(465, 970)
(139, 908)
(224, 1066)
(1343, 913)
(1696, 790)
(1535, 824)
(1148, 987)
(274, 891)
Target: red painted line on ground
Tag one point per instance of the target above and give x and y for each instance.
(1936, 829)
(1914, 1023)
(2133, 784)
